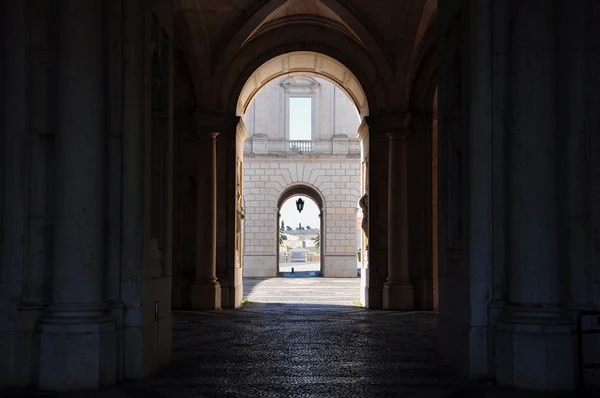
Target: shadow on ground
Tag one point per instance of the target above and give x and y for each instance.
(299, 350)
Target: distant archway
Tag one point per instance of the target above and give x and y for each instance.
(314, 194)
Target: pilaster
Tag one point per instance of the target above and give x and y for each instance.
(77, 337)
(377, 181)
(206, 290)
(398, 291)
(534, 336)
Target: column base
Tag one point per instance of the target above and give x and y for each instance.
(398, 297)
(535, 349)
(205, 296)
(116, 311)
(78, 349)
(224, 284)
(364, 287)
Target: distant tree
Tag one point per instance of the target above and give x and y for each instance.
(308, 227)
(288, 228)
(282, 226)
(282, 237)
(317, 240)
(299, 228)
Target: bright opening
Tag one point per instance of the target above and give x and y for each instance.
(299, 238)
(300, 120)
(302, 144)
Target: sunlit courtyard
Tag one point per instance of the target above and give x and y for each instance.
(303, 290)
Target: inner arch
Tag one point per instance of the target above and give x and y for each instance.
(302, 190)
(303, 63)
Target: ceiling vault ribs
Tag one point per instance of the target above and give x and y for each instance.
(204, 31)
(242, 29)
(366, 29)
(381, 44)
(304, 19)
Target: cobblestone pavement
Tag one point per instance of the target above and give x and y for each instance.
(304, 350)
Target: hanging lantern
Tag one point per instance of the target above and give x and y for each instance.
(300, 205)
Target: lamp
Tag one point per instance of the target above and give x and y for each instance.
(300, 205)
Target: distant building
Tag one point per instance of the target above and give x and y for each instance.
(323, 163)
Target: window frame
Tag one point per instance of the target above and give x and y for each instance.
(288, 118)
(300, 87)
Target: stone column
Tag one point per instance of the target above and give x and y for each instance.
(398, 292)
(478, 193)
(534, 340)
(206, 291)
(77, 341)
(377, 190)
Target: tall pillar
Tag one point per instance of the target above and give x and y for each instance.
(377, 171)
(398, 291)
(77, 340)
(205, 290)
(534, 336)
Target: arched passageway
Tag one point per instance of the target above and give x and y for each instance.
(300, 252)
(161, 210)
(325, 160)
(121, 180)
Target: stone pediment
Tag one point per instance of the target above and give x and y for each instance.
(300, 82)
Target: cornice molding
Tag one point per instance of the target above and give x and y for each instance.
(206, 123)
(211, 122)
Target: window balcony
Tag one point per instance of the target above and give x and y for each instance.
(339, 145)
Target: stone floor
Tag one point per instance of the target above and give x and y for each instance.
(302, 267)
(285, 269)
(304, 350)
(303, 289)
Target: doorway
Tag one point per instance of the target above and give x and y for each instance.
(299, 238)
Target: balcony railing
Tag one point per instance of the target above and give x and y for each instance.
(300, 146)
(262, 145)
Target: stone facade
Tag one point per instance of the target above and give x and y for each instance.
(328, 166)
(337, 181)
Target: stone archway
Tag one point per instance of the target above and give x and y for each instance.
(277, 176)
(303, 63)
(317, 197)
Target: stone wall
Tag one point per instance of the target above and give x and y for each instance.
(266, 179)
(85, 223)
(334, 113)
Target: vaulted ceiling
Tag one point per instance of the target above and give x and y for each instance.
(381, 41)
(304, 12)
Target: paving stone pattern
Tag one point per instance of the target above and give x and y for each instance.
(304, 350)
(299, 350)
